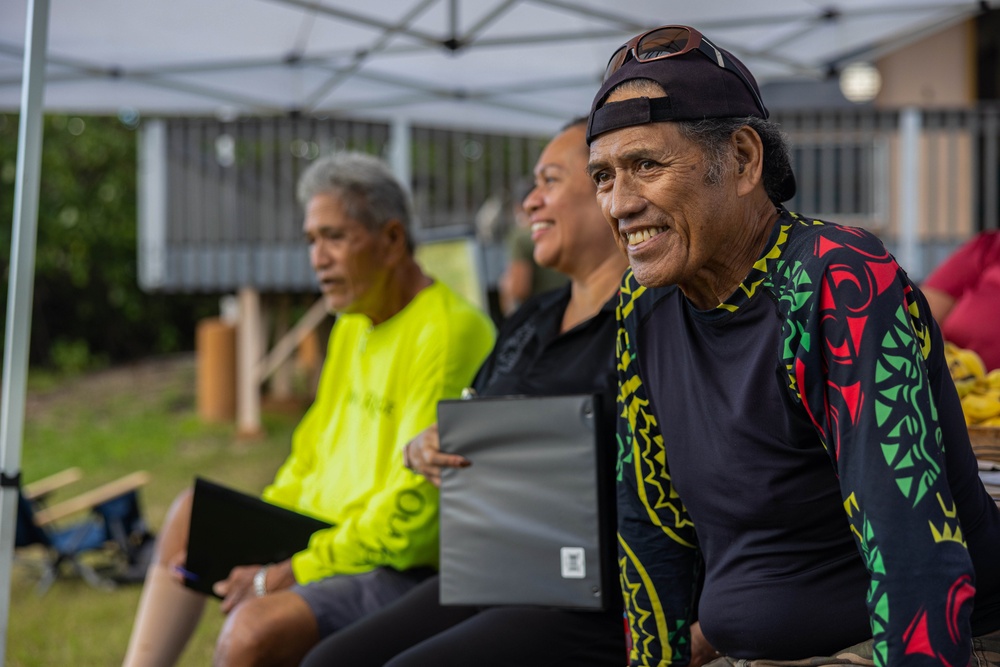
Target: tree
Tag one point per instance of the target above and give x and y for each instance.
(87, 307)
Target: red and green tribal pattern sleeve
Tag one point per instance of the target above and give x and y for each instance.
(856, 343)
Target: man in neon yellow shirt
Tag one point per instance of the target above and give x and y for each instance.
(401, 342)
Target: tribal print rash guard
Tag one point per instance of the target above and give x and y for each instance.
(794, 468)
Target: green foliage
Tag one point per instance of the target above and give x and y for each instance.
(87, 307)
(72, 356)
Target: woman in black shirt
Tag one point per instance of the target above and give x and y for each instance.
(560, 342)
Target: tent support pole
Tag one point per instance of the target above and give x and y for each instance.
(400, 152)
(909, 255)
(19, 292)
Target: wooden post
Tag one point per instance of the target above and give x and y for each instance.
(249, 347)
(215, 344)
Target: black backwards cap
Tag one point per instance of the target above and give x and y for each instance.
(696, 88)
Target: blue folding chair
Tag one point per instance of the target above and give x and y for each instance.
(112, 524)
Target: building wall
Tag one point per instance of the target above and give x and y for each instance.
(945, 183)
(936, 71)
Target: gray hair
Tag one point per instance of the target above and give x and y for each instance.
(712, 136)
(365, 187)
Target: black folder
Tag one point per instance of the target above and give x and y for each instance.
(531, 522)
(230, 528)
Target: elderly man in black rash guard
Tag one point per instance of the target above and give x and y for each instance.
(792, 434)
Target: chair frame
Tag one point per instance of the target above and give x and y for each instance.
(106, 507)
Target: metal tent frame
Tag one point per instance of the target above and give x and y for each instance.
(525, 65)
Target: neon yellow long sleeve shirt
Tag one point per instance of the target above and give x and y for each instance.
(379, 387)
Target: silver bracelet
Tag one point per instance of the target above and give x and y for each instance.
(406, 457)
(260, 581)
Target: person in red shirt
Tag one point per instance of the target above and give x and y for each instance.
(964, 296)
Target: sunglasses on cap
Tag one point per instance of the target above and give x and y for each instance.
(676, 40)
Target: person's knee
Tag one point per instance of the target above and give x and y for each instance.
(244, 637)
(400, 661)
(276, 629)
(179, 514)
(416, 657)
(172, 539)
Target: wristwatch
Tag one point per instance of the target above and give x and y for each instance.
(260, 581)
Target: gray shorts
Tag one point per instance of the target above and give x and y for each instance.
(985, 653)
(338, 601)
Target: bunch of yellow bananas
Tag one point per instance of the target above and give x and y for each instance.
(979, 390)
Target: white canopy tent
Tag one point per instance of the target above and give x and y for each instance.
(508, 65)
(523, 65)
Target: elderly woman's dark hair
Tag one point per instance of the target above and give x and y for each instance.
(712, 135)
(365, 186)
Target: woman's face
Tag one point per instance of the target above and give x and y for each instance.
(566, 221)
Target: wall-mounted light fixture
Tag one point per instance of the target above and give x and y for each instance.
(860, 82)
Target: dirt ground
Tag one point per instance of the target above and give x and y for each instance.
(149, 377)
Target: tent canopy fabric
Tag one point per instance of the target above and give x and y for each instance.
(515, 65)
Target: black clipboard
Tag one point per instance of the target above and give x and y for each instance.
(230, 528)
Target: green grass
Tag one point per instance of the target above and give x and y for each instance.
(111, 423)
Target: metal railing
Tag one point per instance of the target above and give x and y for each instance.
(924, 181)
(217, 199)
(218, 207)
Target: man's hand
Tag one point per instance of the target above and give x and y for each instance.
(238, 587)
(424, 456)
(701, 651)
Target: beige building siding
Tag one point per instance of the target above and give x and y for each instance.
(934, 72)
(945, 186)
